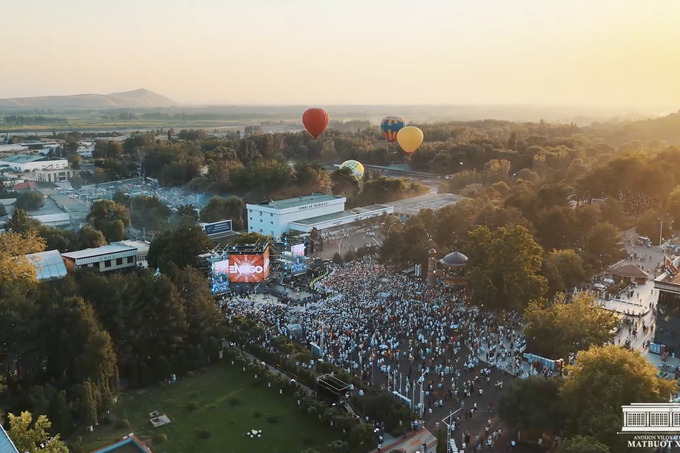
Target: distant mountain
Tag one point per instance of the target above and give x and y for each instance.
(129, 99)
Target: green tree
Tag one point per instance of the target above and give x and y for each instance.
(30, 201)
(188, 210)
(603, 247)
(89, 237)
(563, 327)
(110, 218)
(58, 239)
(583, 444)
(612, 211)
(311, 178)
(35, 438)
(219, 208)
(252, 237)
(603, 379)
(344, 183)
(565, 271)
(74, 160)
(649, 224)
(533, 403)
(16, 273)
(180, 247)
(21, 222)
(673, 205)
(78, 349)
(202, 315)
(148, 212)
(504, 266)
(76, 182)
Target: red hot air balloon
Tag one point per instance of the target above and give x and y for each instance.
(315, 121)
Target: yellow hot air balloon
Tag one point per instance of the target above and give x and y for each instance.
(409, 138)
(356, 167)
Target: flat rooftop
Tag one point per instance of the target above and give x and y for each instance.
(26, 158)
(299, 201)
(434, 201)
(104, 250)
(344, 214)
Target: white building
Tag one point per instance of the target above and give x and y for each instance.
(142, 250)
(273, 218)
(110, 257)
(31, 162)
(61, 175)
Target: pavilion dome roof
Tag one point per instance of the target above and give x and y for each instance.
(455, 259)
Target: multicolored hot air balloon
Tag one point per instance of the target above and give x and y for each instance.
(409, 138)
(356, 167)
(315, 121)
(390, 126)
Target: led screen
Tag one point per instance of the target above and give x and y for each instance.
(220, 277)
(248, 268)
(298, 263)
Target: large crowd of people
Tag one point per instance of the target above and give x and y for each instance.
(394, 332)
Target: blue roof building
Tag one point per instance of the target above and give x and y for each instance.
(6, 445)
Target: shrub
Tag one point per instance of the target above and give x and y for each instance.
(109, 419)
(273, 419)
(123, 424)
(160, 438)
(203, 433)
(195, 394)
(193, 405)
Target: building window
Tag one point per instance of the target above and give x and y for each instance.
(636, 419)
(251, 218)
(271, 214)
(131, 259)
(676, 419)
(659, 419)
(272, 222)
(119, 261)
(107, 263)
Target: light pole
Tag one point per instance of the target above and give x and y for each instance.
(660, 231)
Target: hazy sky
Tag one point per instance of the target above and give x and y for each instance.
(322, 52)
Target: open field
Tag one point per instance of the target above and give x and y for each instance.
(228, 404)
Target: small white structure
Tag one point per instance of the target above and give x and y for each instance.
(48, 265)
(110, 257)
(142, 249)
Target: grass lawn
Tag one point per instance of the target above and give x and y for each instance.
(228, 406)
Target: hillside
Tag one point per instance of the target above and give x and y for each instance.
(129, 99)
